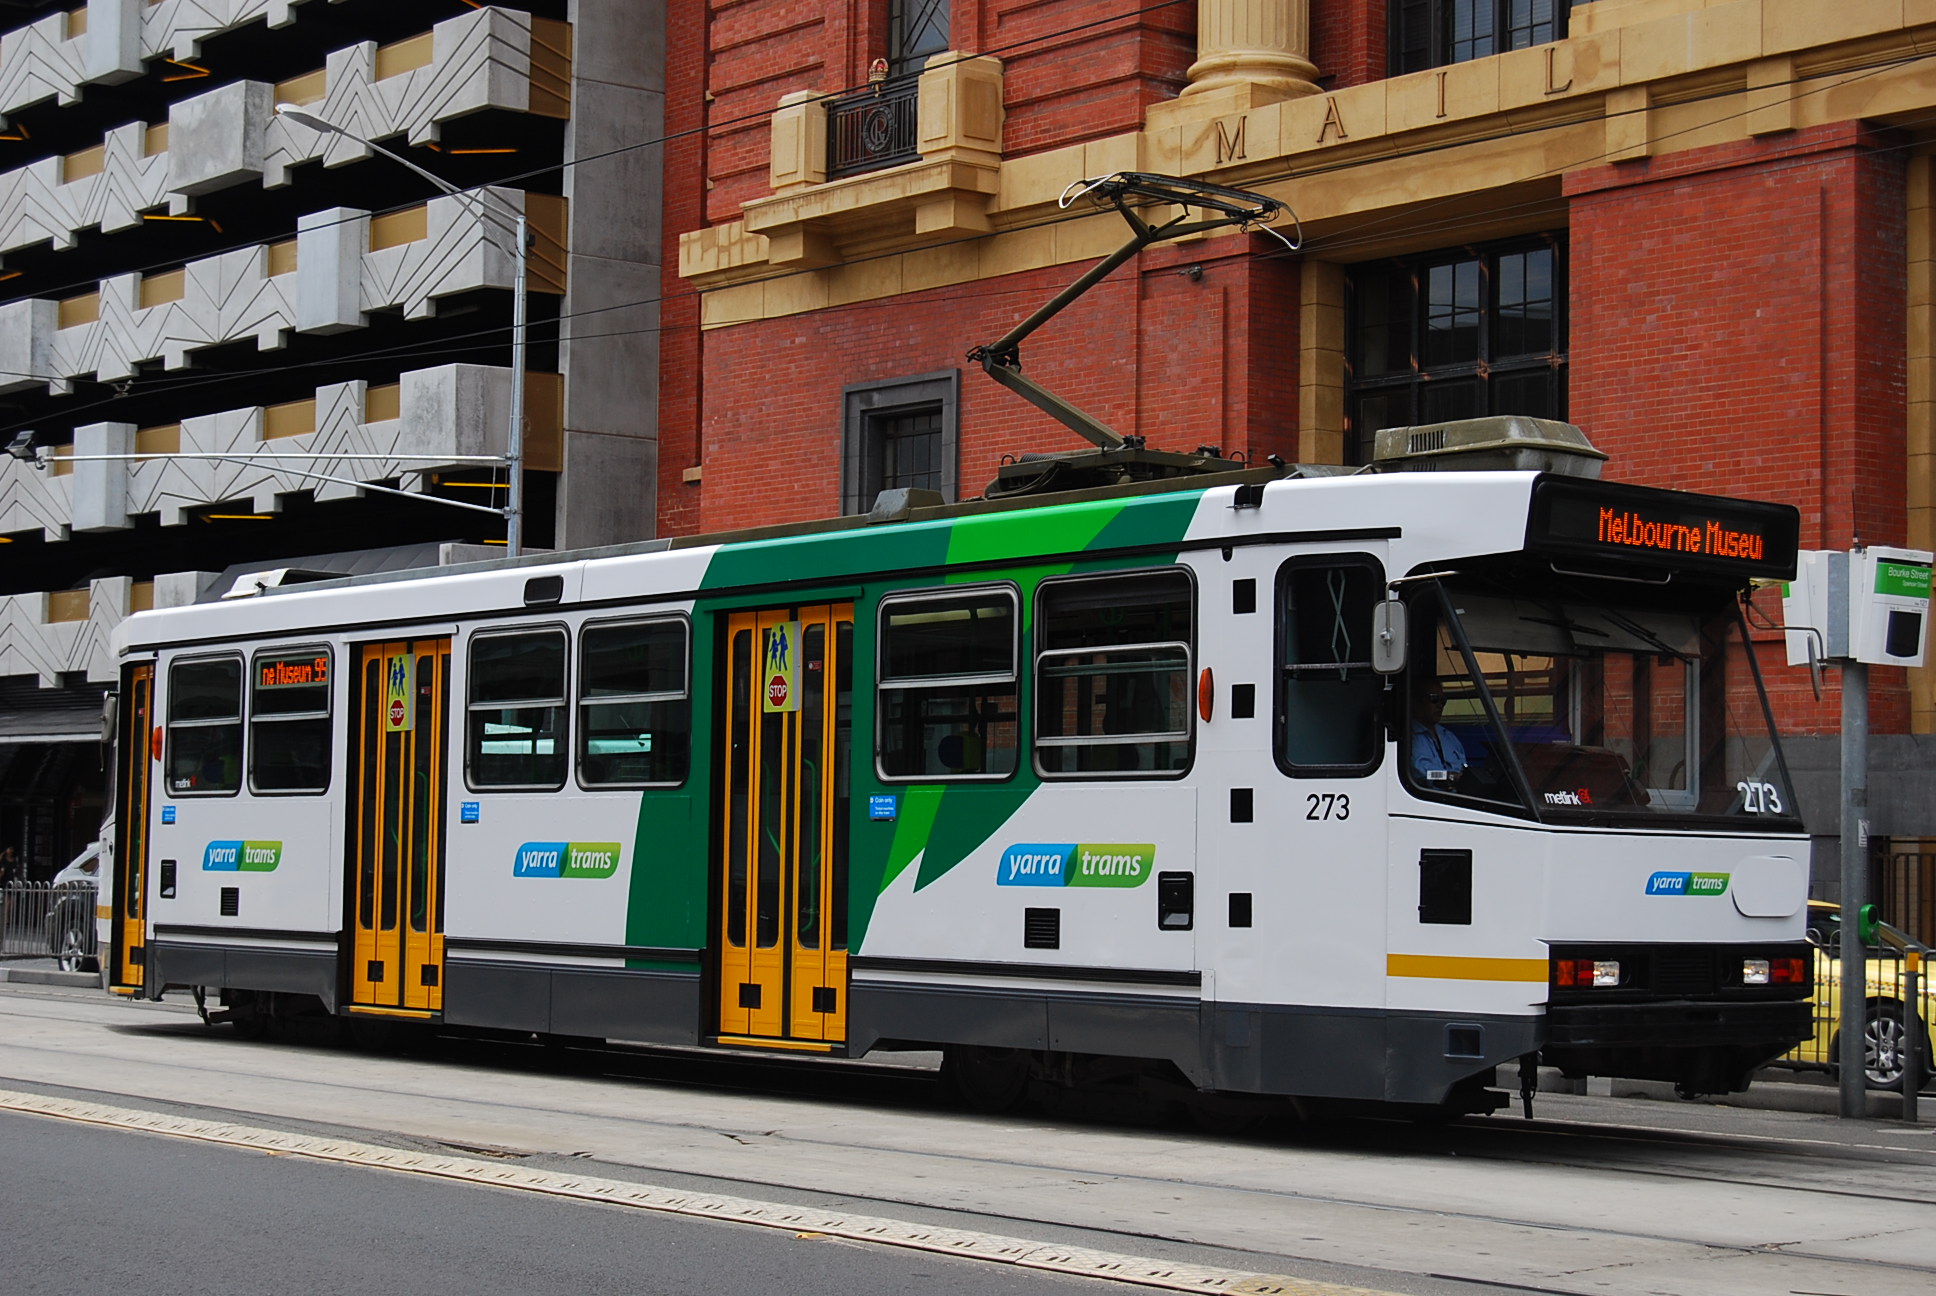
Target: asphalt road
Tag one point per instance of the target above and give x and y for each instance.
(91, 1210)
(1597, 1197)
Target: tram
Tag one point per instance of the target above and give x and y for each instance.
(1269, 781)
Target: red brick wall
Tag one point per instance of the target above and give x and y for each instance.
(1738, 317)
(1076, 70)
(1348, 40)
(1150, 351)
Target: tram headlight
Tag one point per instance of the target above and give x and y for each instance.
(1583, 973)
(1754, 972)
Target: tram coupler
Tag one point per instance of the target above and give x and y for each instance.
(1528, 1082)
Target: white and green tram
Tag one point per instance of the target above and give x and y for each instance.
(1337, 786)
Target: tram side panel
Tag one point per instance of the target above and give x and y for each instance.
(1293, 767)
(243, 886)
(1467, 968)
(570, 910)
(1031, 894)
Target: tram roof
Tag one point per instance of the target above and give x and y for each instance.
(1441, 515)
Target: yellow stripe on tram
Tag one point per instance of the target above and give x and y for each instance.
(1448, 967)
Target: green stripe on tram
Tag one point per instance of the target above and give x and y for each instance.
(941, 824)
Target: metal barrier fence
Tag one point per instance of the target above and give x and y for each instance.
(40, 920)
(1887, 1030)
(874, 129)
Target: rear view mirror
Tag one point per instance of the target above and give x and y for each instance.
(1388, 637)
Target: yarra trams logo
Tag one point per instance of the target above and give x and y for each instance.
(242, 856)
(566, 860)
(1076, 864)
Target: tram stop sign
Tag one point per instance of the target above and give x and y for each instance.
(781, 666)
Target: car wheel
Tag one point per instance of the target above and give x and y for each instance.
(1884, 1043)
(71, 953)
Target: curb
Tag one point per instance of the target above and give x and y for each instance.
(49, 976)
(1814, 1097)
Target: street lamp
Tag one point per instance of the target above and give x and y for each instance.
(514, 442)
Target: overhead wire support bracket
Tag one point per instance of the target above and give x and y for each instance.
(1002, 358)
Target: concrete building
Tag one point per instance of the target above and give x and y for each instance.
(187, 274)
(1700, 229)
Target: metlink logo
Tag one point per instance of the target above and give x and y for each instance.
(242, 856)
(1076, 864)
(566, 860)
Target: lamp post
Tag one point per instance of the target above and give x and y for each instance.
(514, 441)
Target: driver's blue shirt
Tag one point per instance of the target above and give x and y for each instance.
(1434, 747)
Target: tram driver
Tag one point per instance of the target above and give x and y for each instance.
(1437, 754)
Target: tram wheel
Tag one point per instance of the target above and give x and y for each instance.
(988, 1079)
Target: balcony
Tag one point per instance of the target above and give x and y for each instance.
(342, 265)
(454, 410)
(490, 58)
(816, 217)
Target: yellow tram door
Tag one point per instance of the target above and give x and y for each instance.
(396, 855)
(783, 859)
(133, 782)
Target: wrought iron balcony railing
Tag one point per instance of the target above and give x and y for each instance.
(873, 129)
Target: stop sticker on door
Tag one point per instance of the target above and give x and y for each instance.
(399, 694)
(781, 668)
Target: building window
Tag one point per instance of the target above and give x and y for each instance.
(896, 434)
(289, 739)
(1432, 33)
(634, 710)
(517, 710)
(205, 727)
(1112, 675)
(915, 29)
(948, 693)
(1454, 336)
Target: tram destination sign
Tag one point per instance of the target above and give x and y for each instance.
(1637, 525)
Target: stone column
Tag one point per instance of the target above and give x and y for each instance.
(1262, 45)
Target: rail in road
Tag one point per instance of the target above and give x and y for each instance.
(1609, 1197)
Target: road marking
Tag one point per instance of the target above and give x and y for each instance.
(800, 1220)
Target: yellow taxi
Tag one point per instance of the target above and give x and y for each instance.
(1883, 1037)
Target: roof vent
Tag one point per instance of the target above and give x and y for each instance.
(1510, 442)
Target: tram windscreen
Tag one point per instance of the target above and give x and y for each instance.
(1624, 710)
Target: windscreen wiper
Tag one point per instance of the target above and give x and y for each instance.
(1641, 632)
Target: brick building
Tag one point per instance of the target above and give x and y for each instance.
(185, 273)
(1702, 231)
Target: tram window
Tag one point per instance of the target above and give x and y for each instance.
(1112, 675)
(516, 731)
(289, 730)
(205, 727)
(1329, 700)
(634, 710)
(948, 691)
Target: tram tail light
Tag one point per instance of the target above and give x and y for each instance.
(1583, 973)
(1781, 971)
